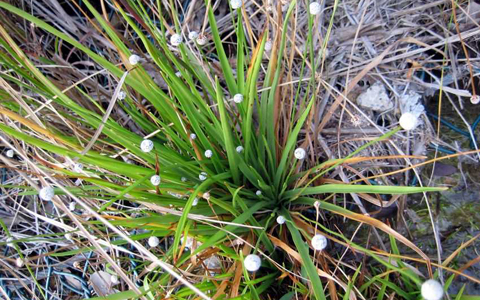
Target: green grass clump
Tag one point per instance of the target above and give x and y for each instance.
(228, 200)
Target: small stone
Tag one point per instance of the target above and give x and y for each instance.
(238, 98)
(375, 98)
(47, 193)
(176, 40)
(153, 241)
(300, 153)
(319, 242)
(146, 146)
(155, 180)
(252, 262)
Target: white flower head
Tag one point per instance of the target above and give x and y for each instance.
(153, 241)
(195, 201)
(300, 153)
(281, 220)
(146, 146)
(183, 179)
(408, 121)
(268, 45)
(319, 242)
(176, 39)
(155, 180)
(10, 153)
(72, 205)
(239, 149)
(19, 262)
(316, 204)
(178, 74)
(315, 8)
(432, 290)
(134, 59)
(203, 176)
(193, 136)
(47, 193)
(475, 99)
(238, 98)
(208, 153)
(258, 193)
(206, 195)
(252, 262)
(236, 4)
(122, 95)
(202, 40)
(193, 35)
(114, 279)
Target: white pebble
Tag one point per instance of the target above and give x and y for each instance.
(268, 45)
(122, 95)
(153, 241)
(193, 136)
(71, 206)
(300, 153)
(193, 35)
(239, 149)
(408, 121)
(19, 262)
(208, 153)
(238, 98)
(475, 99)
(252, 262)
(319, 242)
(203, 176)
(47, 193)
(176, 39)
(134, 59)
(235, 4)
(432, 290)
(258, 193)
(146, 146)
(202, 40)
(315, 8)
(114, 279)
(195, 201)
(281, 220)
(10, 153)
(155, 180)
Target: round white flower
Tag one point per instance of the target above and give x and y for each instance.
(300, 153)
(146, 146)
(206, 195)
(315, 8)
(153, 241)
(252, 262)
(176, 39)
(195, 201)
(178, 74)
(193, 35)
(71, 206)
(155, 180)
(10, 153)
(134, 59)
(183, 179)
(19, 262)
(235, 4)
(268, 45)
(9, 242)
(408, 121)
(47, 193)
(316, 204)
(475, 99)
(114, 279)
(208, 153)
(193, 136)
(238, 98)
(122, 95)
(203, 176)
(319, 242)
(239, 149)
(258, 193)
(281, 220)
(432, 290)
(202, 40)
